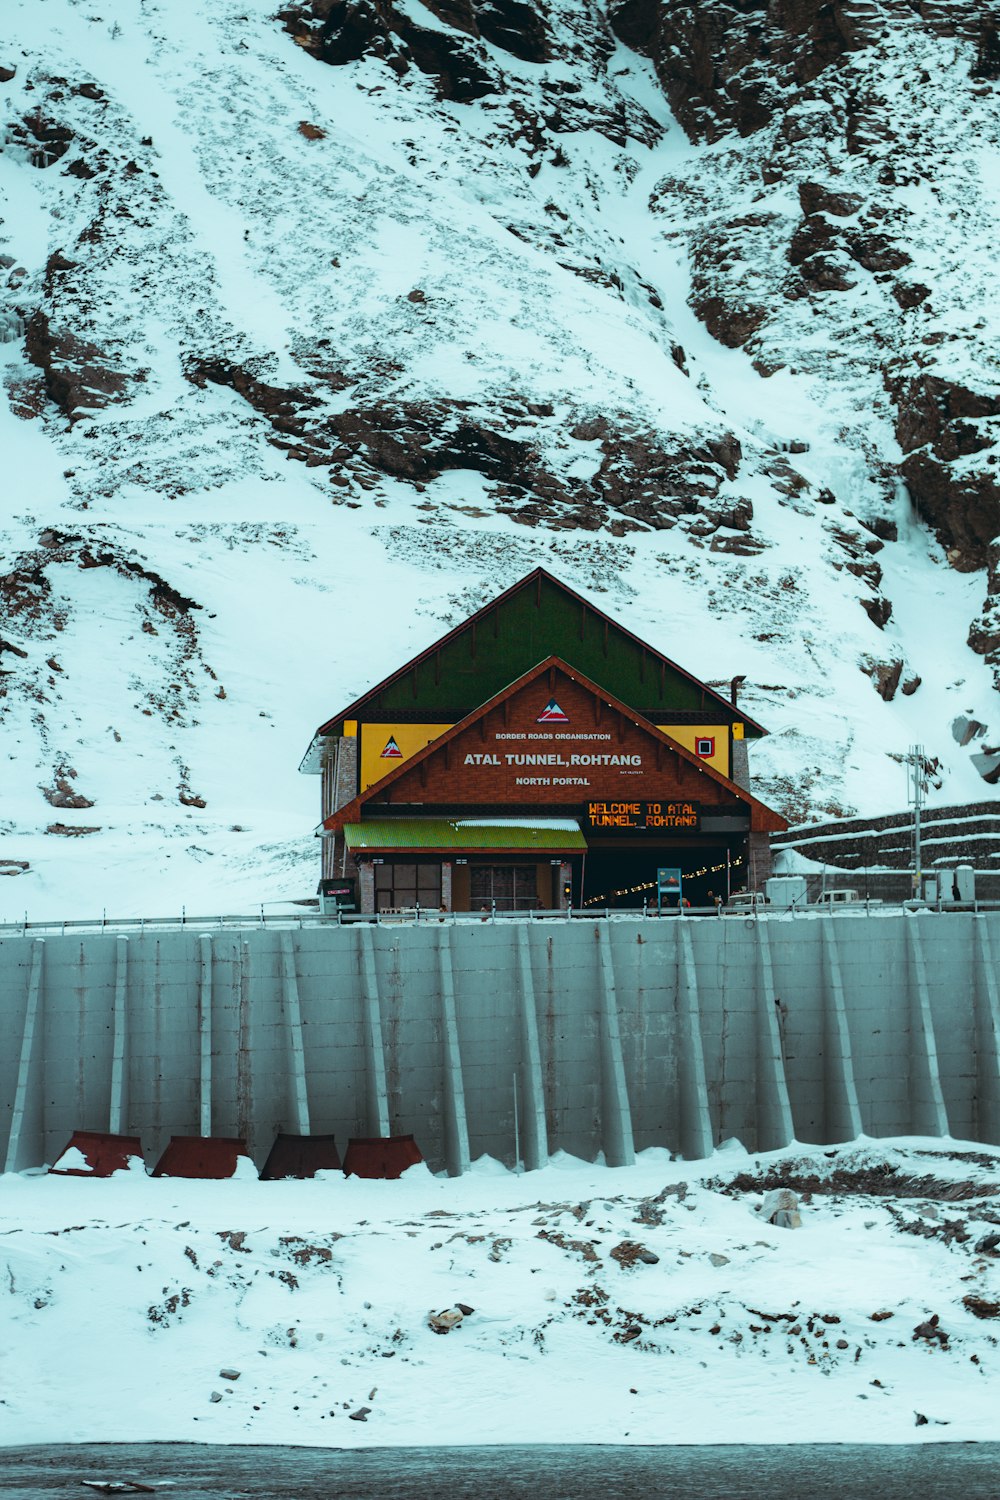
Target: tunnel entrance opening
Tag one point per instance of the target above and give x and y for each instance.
(625, 878)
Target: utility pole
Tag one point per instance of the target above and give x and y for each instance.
(917, 786)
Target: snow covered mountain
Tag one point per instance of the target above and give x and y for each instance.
(322, 327)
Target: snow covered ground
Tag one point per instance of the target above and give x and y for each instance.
(124, 1303)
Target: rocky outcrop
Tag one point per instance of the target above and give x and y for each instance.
(987, 64)
(734, 63)
(344, 31)
(415, 441)
(645, 479)
(857, 293)
(726, 65)
(732, 322)
(79, 378)
(458, 46)
(517, 27)
(44, 140)
(884, 676)
(822, 239)
(31, 602)
(38, 607)
(984, 632)
(61, 793)
(941, 422)
(817, 199)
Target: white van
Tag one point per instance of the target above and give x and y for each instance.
(746, 901)
(843, 897)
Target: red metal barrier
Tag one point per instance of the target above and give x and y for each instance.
(380, 1156)
(102, 1154)
(201, 1156)
(301, 1156)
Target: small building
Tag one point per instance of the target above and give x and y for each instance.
(539, 755)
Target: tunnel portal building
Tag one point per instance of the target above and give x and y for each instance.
(538, 756)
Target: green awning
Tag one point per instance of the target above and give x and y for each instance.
(547, 835)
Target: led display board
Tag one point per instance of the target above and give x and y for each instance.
(641, 817)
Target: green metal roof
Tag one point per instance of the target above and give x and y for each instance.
(445, 833)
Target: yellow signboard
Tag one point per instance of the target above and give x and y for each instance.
(710, 742)
(386, 746)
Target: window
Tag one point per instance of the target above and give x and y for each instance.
(410, 884)
(508, 887)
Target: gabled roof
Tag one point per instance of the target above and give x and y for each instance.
(535, 579)
(762, 816)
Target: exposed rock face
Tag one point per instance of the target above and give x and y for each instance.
(517, 27)
(860, 291)
(43, 140)
(984, 632)
(61, 792)
(938, 423)
(725, 65)
(640, 479)
(345, 31)
(78, 378)
(26, 589)
(450, 48)
(817, 199)
(987, 65)
(885, 678)
(878, 610)
(342, 31)
(35, 605)
(732, 323)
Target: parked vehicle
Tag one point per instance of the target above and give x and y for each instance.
(744, 901)
(843, 897)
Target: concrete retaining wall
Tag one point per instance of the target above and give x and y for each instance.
(601, 1035)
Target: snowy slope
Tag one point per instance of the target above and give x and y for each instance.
(306, 360)
(124, 1302)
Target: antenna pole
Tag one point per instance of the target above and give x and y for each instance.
(917, 787)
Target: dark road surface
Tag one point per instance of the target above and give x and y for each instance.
(811, 1472)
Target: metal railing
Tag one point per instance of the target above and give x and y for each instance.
(429, 916)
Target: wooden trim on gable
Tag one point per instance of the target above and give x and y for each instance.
(763, 818)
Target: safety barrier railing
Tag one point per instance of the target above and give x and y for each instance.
(427, 916)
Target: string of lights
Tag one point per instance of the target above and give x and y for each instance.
(650, 885)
